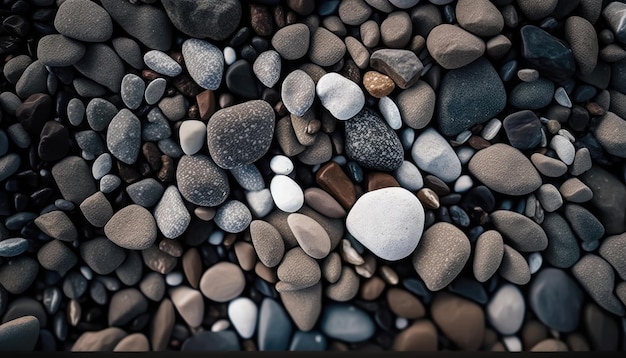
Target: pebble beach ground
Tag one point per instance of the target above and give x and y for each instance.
(370, 175)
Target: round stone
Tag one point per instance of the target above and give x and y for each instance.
(132, 227)
(222, 282)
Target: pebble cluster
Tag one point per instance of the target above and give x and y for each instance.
(313, 175)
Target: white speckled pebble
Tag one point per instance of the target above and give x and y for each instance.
(282, 165)
(260, 202)
(243, 314)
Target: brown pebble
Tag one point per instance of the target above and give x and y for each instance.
(595, 109)
(437, 185)
(331, 267)
(314, 126)
(335, 181)
(162, 325)
(192, 267)
(550, 345)
(226, 100)
(286, 137)
(372, 288)
(428, 198)
(498, 347)
(349, 254)
(577, 343)
(389, 275)
(553, 126)
(533, 332)
(478, 142)
(186, 85)
(128, 173)
(222, 282)
(206, 104)
(368, 268)
(489, 338)
(268, 243)
(311, 236)
(304, 306)
(261, 20)
(152, 154)
(245, 255)
(324, 203)
(249, 346)
(379, 180)
(167, 172)
(266, 273)
(420, 336)
(171, 247)
(299, 269)
(150, 75)
(158, 260)
(461, 320)
(229, 240)
(346, 288)
(278, 12)
(404, 304)
(74, 311)
(204, 214)
(377, 84)
(135, 342)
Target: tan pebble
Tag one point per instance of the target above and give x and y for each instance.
(389, 275)
(222, 282)
(266, 273)
(299, 269)
(404, 304)
(331, 267)
(189, 304)
(245, 255)
(461, 320)
(346, 288)
(162, 325)
(428, 198)
(349, 254)
(577, 343)
(533, 332)
(514, 267)
(368, 268)
(372, 288)
(304, 306)
(268, 242)
(378, 84)
(311, 236)
(324, 203)
(550, 345)
(135, 342)
(205, 214)
(489, 338)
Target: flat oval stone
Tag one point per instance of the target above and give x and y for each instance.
(13, 247)
(487, 255)
(404, 304)
(160, 62)
(201, 181)
(292, 41)
(133, 88)
(205, 63)
(102, 340)
(389, 222)
(346, 323)
(523, 233)
(341, 97)
(462, 320)
(324, 203)
(596, 276)
(311, 236)
(523, 129)
(479, 17)
(452, 47)
(132, 227)
(304, 306)
(240, 134)
(56, 256)
(125, 305)
(298, 92)
(610, 133)
(438, 261)
(432, 153)
(286, 193)
(102, 65)
(556, 299)
(514, 267)
(325, 48)
(83, 20)
(102, 255)
(506, 310)
(563, 250)
(222, 282)
(268, 243)
(136, 342)
(505, 169)
(267, 67)
(19, 334)
(57, 50)
(420, 336)
(298, 270)
(123, 136)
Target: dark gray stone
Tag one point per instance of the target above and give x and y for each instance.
(215, 19)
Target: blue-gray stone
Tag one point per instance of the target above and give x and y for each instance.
(372, 143)
(160, 62)
(205, 63)
(83, 20)
(157, 127)
(146, 192)
(418, 288)
(459, 216)
(469, 95)
(99, 113)
(171, 215)
(170, 148)
(556, 299)
(274, 327)
(215, 19)
(155, 90)
(75, 111)
(551, 56)
(18, 220)
(212, 341)
(64, 205)
(13, 247)
(233, 216)
(532, 95)
(132, 90)
(308, 341)
(469, 288)
(109, 183)
(249, 177)
(124, 136)
(19, 135)
(33, 80)
(201, 181)
(101, 166)
(586, 226)
(20, 334)
(9, 164)
(563, 250)
(57, 50)
(347, 323)
(523, 129)
(74, 285)
(90, 142)
(52, 299)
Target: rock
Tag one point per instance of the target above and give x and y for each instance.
(14, 68)
(372, 218)
(292, 41)
(420, 336)
(514, 267)
(340, 96)
(556, 299)
(549, 197)
(461, 320)
(482, 18)
(310, 235)
(197, 54)
(189, 304)
(505, 169)
(596, 276)
(582, 37)
(171, 215)
(129, 51)
(53, 142)
(212, 341)
(13, 247)
(97, 209)
(307, 341)
(20, 334)
(209, 189)
(216, 20)
(575, 191)
(102, 340)
(99, 113)
(274, 326)
(601, 328)
(403, 66)
(155, 90)
(523, 129)
(102, 255)
(325, 48)
(536, 10)
(229, 133)
(222, 282)
(562, 250)
(136, 342)
(267, 67)
(17, 275)
(396, 29)
(268, 243)
(132, 227)
(73, 178)
(57, 225)
(146, 23)
(506, 310)
(286, 193)
(346, 323)
(432, 153)
(459, 90)
(452, 47)
(404, 304)
(57, 50)
(377, 84)
(146, 192)
(249, 177)
(548, 166)
(130, 271)
(487, 255)
(345, 288)
(304, 306)
(174, 108)
(609, 132)
(126, 305)
(55, 256)
(298, 270)
(233, 216)
(532, 95)
(546, 53)
(83, 20)
(416, 105)
(608, 194)
(354, 12)
(241, 81)
(611, 250)
(153, 287)
(160, 62)
(358, 52)
(319, 152)
(102, 65)
(586, 226)
(192, 135)
(370, 33)
(298, 92)
(32, 80)
(438, 262)
(614, 15)
(124, 136)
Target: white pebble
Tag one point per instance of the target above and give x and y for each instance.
(216, 237)
(243, 314)
(463, 184)
(401, 323)
(563, 148)
(407, 138)
(260, 202)
(192, 135)
(561, 97)
(287, 194)
(463, 137)
(174, 279)
(534, 262)
(86, 272)
(282, 165)
(390, 112)
(230, 56)
(408, 176)
(565, 133)
(465, 154)
(512, 343)
(220, 325)
(491, 129)
(87, 156)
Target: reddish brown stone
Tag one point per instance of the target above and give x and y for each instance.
(152, 154)
(420, 336)
(333, 179)
(261, 20)
(167, 172)
(206, 104)
(404, 304)
(379, 180)
(192, 267)
(478, 142)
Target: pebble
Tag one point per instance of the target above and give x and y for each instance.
(493, 167)
(13, 247)
(536, 10)
(614, 15)
(281, 164)
(260, 202)
(212, 341)
(292, 41)
(370, 33)
(523, 129)
(596, 276)
(551, 56)
(358, 52)
(59, 51)
(57, 225)
(377, 84)
(157, 128)
(298, 271)
(286, 193)
(222, 282)
(404, 304)
(274, 327)
(124, 136)
(83, 20)
(99, 113)
(155, 90)
(146, 192)
(233, 216)
(102, 65)
(131, 270)
(240, 134)
(100, 340)
(609, 133)
(249, 177)
(521, 232)
(461, 320)
(128, 50)
(153, 287)
(197, 54)
(243, 314)
(347, 323)
(548, 166)
(514, 267)
(132, 91)
(549, 197)
(268, 243)
(310, 235)
(325, 48)
(72, 176)
(223, 17)
(438, 264)
(452, 47)
(420, 336)
(396, 29)
(192, 135)
(101, 166)
(487, 255)
(402, 66)
(459, 92)
(586, 226)
(354, 12)
(371, 143)
(532, 95)
(125, 305)
(267, 68)
(102, 255)
(340, 96)
(562, 250)
(390, 112)
(432, 153)
(506, 310)
(19, 334)
(479, 17)
(303, 306)
(556, 299)
(161, 63)
(298, 92)
(97, 209)
(55, 256)
(132, 227)
(308, 341)
(408, 176)
(611, 249)
(170, 214)
(209, 189)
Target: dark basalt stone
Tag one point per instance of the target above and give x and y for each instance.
(551, 56)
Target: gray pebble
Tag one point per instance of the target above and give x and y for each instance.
(298, 92)
(90, 142)
(146, 192)
(97, 209)
(56, 256)
(174, 108)
(13, 247)
(532, 95)
(170, 147)
(99, 113)
(75, 111)
(153, 286)
(33, 80)
(155, 90)
(596, 276)
(131, 270)
(562, 250)
(124, 136)
(586, 226)
(129, 51)
(157, 127)
(132, 90)
(171, 215)
(18, 135)
(102, 65)
(267, 67)
(249, 177)
(83, 20)
(233, 216)
(10, 102)
(160, 62)
(14, 68)
(205, 63)
(109, 183)
(87, 88)
(201, 181)
(101, 166)
(57, 50)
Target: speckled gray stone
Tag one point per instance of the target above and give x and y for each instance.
(371, 143)
(146, 192)
(155, 90)
(132, 90)
(201, 181)
(9, 164)
(83, 20)
(612, 250)
(532, 95)
(233, 216)
(249, 177)
(205, 63)
(20, 334)
(453, 47)
(174, 108)
(57, 50)
(402, 66)
(73, 178)
(124, 136)
(157, 126)
(240, 134)
(298, 92)
(597, 278)
(171, 215)
(160, 62)
(99, 113)
(267, 67)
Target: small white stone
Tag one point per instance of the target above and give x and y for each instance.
(220, 325)
(230, 56)
(243, 313)
(463, 184)
(433, 154)
(491, 129)
(216, 237)
(465, 154)
(561, 97)
(512, 343)
(563, 148)
(390, 112)
(86, 272)
(409, 177)
(463, 137)
(506, 309)
(534, 262)
(401, 323)
(174, 279)
(192, 136)
(286, 193)
(407, 137)
(340, 96)
(565, 133)
(260, 202)
(282, 165)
